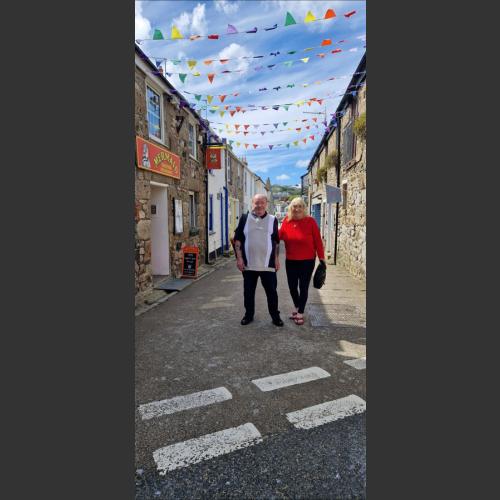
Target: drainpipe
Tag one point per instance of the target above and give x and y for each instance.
(338, 185)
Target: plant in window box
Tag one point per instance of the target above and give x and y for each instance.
(321, 174)
(331, 159)
(360, 126)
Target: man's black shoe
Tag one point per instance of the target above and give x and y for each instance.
(277, 321)
(246, 320)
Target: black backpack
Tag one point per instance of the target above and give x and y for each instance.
(320, 275)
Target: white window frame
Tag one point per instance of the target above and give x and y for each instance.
(155, 89)
(195, 142)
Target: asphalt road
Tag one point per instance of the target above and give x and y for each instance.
(194, 342)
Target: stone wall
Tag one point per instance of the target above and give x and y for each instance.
(193, 178)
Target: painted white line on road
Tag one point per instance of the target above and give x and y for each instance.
(187, 402)
(326, 412)
(359, 364)
(205, 447)
(290, 378)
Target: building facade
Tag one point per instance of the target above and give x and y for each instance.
(170, 205)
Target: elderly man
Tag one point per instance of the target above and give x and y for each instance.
(256, 243)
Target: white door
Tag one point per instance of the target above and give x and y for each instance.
(160, 258)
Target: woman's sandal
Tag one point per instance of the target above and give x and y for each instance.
(293, 315)
(299, 321)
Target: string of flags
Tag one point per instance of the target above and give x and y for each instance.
(211, 76)
(222, 97)
(193, 62)
(175, 34)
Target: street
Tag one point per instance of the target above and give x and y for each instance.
(231, 411)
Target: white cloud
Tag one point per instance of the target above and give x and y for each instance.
(142, 24)
(282, 177)
(302, 163)
(226, 7)
(362, 38)
(194, 23)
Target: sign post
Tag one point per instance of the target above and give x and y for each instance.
(190, 262)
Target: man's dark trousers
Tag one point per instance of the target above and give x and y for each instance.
(269, 282)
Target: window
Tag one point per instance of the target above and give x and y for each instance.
(229, 169)
(192, 210)
(349, 140)
(211, 213)
(344, 196)
(192, 142)
(154, 113)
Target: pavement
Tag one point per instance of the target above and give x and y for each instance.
(193, 343)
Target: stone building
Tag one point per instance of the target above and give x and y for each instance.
(340, 162)
(171, 205)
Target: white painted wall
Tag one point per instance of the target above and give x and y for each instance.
(216, 183)
(160, 258)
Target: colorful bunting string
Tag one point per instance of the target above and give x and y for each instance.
(231, 30)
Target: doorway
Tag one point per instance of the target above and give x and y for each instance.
(160, 254)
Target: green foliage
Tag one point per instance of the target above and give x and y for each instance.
(321, 174)
(331, 159)
(360, 126)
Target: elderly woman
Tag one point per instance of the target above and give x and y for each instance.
(302, 243)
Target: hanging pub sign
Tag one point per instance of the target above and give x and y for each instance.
(213, 157)
(157, 159)
(190, 262)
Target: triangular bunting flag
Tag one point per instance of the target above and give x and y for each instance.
(295, 143)
(270, 146)
(289, 19)
(196, 73)
(288, 145)
(298, 129)
(176, 34)
(349, 14)
(255, 126)
(238, 144)
(308, 127)
(288, 63)
(245, 133)
(336, 51)
(209, 98)
(292, 52)
(304, 140)
(213, 37)
(329, 14)
(262, 133)
(226, 107)
(284, 124)
(311, 137)
(208, 61)
(238, 109)
(197, 97)
(305, 59)
(175, 62)
(223, 61)
(192, 63)
(320, 101)
(158, 63)
(255, 146)
(286, 107)
(182, 77)
(252, 31)
(315, 119)
(275, 125)
(158, 35)
(321, 55)
(246, 126)
(211, 77)
(221, 113)
(231, 30)
(246, 145)
(232, 113)
(327, 41)
(236, 126)
(222, 97)
(309, 17)
(194, 37)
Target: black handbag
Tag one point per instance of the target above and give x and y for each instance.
(320, 275)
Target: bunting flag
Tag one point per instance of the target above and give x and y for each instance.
(158, 63)
(295, 143)
(176, 34)
(182, 77)
(221, 113)
(211, 77)
(222, 97)
(327, 41)
(255, 146)
(196, 73)
(288, 63)
(158, 35)
(311, 137)
(289, 19)
(305, 59)
(208, 61)
(231, 30)
(270, 146)
(197, 97)
(304, 140)
(209, 98)
(246, 145)
(191, 63)
(309, 17)
(232, 113)
(223, 61)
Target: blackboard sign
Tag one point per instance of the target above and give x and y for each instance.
(190, 262)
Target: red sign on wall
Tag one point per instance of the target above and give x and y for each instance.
(157, 159)
(213, 157)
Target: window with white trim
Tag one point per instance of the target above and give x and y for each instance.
(192, 210)
(154, 114)
(192, 141)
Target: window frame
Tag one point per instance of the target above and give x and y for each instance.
(193, 216)
(157, 91)
(194, 142)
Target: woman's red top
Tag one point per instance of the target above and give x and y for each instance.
(302, 239)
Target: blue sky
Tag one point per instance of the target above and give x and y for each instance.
(283, 165)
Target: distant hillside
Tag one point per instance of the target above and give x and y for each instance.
(285, 190)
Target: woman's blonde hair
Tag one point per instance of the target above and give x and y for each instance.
(295, 201)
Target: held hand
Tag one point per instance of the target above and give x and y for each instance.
(240, 264)
(278, 265)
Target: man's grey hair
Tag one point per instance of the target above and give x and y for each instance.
(259, 195)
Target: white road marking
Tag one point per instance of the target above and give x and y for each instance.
(290, 378)
(205, 447)
(326, 412)
(180, 403)
(359, 364)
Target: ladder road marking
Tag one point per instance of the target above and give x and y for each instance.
(205, 447)
(186, 402)
(326, 412)
(290, 378)
(359, 364)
